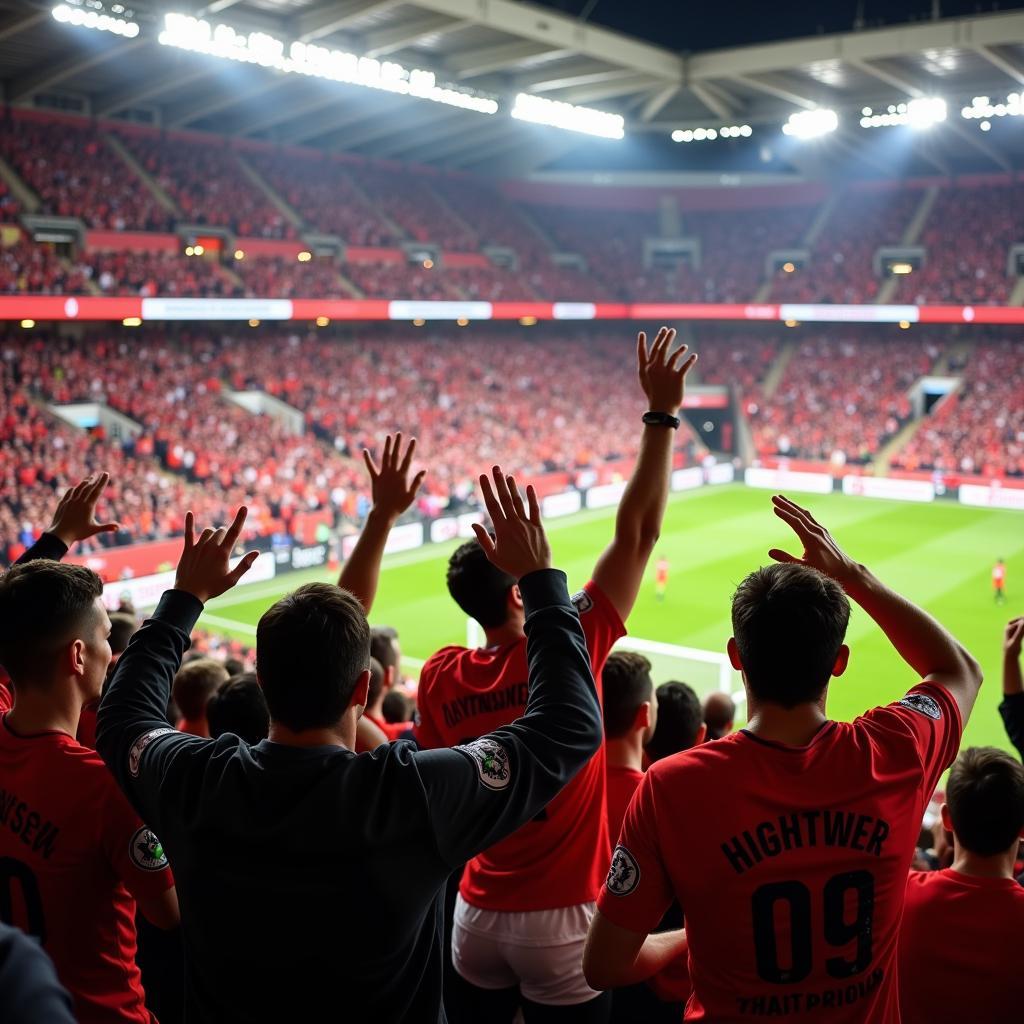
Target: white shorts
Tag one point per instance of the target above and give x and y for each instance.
(541, 951)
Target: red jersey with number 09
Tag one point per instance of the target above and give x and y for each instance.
(560, 858)
(791, 862)
(73, 854)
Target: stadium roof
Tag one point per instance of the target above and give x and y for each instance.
(499, 48)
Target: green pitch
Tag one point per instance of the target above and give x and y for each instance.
(939, 555)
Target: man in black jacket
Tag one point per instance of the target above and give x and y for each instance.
(1012, 706)
(285, 853)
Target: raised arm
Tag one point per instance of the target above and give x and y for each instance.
(620, 570)
(483, 791)
(1012, 707)
(133, 709)
(392, 495)
(920, 640)
(73, 520)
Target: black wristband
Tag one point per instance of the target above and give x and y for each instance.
(662, 419)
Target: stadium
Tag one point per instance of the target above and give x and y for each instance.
(244, 245)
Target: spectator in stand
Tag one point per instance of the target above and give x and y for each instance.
(309, 814)
(239, 707)
(1012, 707)
(122, 629)
(397, 709)
(719, 714)
(630, 716)
(680, 721)
(819, 813)
(386, 655)
(523, 906)
(194, 684)
(958, 946)
(76, 849)
(29, 990)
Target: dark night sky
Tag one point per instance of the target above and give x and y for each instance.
(690, 26)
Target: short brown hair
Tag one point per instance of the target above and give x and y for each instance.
(789, 622)
(985, 795)
(195, 683)
(43, 606)
(626, 684)
(311, 648)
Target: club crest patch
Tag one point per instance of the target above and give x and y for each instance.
(146, 851)
(492, 762)
(624, 874)
(924, 704)
(135, 754)
(583, 601)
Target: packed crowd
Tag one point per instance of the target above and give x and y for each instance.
(147, 273)
(196, 446)
(978, 429)
(38, 270)
(549, 835)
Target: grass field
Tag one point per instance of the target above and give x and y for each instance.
(939, 555)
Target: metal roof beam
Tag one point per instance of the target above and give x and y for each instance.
(332, 17)
(189, 113)
(389, 40)
(607, 90)
(884, 74)
(486, 59)
(713, 102)
(560, 32)
(657, 101)
(20, 21)
(1010, 67)
(586, 73)
(73, 64)
(776, 87)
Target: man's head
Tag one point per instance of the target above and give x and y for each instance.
(195, 683)
(122, 628)
(984, 806)
(788, 624)
(482, 590)
(377, 680)
(313, 656)
(629, 704)
(396, 708)
(719, 714)
(385, 649)
(53, 627)
(680, 721)
(239, 707)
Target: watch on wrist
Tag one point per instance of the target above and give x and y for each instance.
(662, 419)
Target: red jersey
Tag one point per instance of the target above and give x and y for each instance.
(960, 948)
(999, 576)
(622, 783)
(74, 854)
(390, 729)
(790, 862)
(86, 734)
(661, 572)
(559, 859)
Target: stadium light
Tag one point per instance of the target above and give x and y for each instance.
(568, 116)
(28, 324)
(239, 254)
(305, 256)
(187, 33)
(132, 321)
(811, 124)
(322, 321)
(982, 109)
(902, 268)
(428, 264)
(729, 131)
(94, 18)
(919, 114)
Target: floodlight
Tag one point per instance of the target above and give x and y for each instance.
(94, 19)
(677, 135)
(925, 112)
(568, 116)
(902, 268)
(811, 124)
(132, 321)
(28, 324)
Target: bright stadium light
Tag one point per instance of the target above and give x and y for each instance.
(568, 116)
(297, 58)
(811, 124)
(983, 109)
(727, 131)
(94, 18)
(918, 114)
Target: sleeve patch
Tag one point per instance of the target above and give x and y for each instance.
(492, 762)
(923, 704)
(624, 874)
(583, 602)
(146, 851)
(135, 754)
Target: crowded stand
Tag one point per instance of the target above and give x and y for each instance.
(36, 269)
(401, 278)
(208, 186)
(840, 399)
(285, 277)
(151, 273)
(967, 240)
(841, 267)
(323, 194)
(978, 429)
(69, 166)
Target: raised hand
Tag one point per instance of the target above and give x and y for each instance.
(1013, 637)
(392, 492)
(662, 371)
(519, 545)
(75, 516)
(204, 569)
(820, 550)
